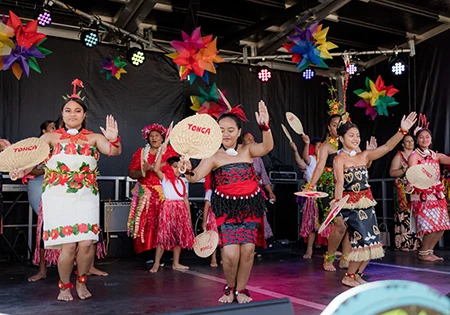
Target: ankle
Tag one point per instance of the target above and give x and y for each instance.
(329, 258)
(64, 286)
(350, 275)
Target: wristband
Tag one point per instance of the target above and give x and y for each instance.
(264, 127)
(403, 132)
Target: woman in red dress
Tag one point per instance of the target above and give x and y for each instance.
(147, 195)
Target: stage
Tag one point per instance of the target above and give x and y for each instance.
(131, 289)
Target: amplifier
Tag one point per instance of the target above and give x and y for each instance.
(115, 215)
(14, 187)
(283, 176)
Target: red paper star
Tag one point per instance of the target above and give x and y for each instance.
(26, 36)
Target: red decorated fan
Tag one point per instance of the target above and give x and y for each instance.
(335, 208)
(311, 194)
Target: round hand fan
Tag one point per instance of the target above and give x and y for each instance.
(295, 123)
(24, 154)
(422, 176)
(335, 207)
(206, 243)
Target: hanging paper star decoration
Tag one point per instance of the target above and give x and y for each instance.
(310, 46)
(20, 46)
(210, 102)
(196, 55)
(113, 68)
(376, 98)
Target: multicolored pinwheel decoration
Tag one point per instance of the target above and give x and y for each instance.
(376, 98)
(196, 55)
(310, 46)
(211, 102)
(20, 46)
(113, 68)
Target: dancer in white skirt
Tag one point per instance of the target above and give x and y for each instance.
(70, 198)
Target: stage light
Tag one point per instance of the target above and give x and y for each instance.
(264, 75)
(352, 68)
(89, 38)
(308, 73)
(44, 17)
(398, 66)
(136, 56)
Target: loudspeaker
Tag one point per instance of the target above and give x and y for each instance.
(119, 245)
(285, 213)
(114, 216)
(270, 307)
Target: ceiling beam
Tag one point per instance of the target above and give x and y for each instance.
(275, 19)
(318, 13)
(132, 14)
(376, 27)
(406, 8)
(419, 39)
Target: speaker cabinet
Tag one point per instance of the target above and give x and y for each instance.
(270, 307)
(114, 216)
(286, 213)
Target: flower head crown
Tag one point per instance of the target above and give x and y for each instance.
(153, 127)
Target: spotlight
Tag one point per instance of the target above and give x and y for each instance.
(136, 56)
(89, 38)
(398, 66)
(44, 17)
(264, 75)
(308, 73)
(351, 68)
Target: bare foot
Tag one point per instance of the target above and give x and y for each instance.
(359, 279)
(242, 298)
(427, 257)
(328, 266)
(308, 254)
(65, 295)
(96, 272)
(349, 282)
(436, 257)
(179, 267)
(154, 268)
(227, 298)
(82, 291)
(213, 264)
(39, 276)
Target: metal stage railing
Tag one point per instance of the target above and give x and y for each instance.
(123, 185)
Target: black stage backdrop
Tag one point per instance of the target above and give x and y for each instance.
(154, 93)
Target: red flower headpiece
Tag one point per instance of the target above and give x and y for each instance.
(75, 94)
(238, 112)
(153, 127)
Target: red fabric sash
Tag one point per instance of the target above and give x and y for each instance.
(240, 189)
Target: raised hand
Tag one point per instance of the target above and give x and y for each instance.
(112, 130)
(306, 139)
(372, 145)
(4, 144)
(408, 122)
(262, 118)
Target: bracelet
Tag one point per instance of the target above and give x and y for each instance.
(403, 132)
(264, 127)
(116, 142)
(309, 186)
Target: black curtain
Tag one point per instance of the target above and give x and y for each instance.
(154, 93)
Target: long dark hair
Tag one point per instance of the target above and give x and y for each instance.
(44, 126)
(326, 132)
(79, 102)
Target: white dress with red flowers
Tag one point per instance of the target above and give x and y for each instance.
(70, 198)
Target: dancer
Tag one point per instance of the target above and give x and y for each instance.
(34, 190)
(70, 199)
(175, 224)
(351, 178)
(323, 180)
(264, 183)
(310, 217)
(236, 200)
(429, 206)
(209, 220)
(147, 194)
(404, 239)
